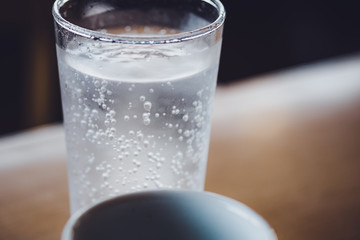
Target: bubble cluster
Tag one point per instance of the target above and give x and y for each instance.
(125, 137)
(147, 106)
(146, 115)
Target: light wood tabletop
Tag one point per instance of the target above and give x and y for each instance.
(286, 144)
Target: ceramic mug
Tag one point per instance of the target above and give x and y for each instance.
(165, 215)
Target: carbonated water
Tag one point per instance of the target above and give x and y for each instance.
(136, 118)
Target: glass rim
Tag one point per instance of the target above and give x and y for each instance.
(138, 39)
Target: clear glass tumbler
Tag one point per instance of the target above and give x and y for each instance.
(137, 83)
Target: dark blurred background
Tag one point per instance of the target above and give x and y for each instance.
(260, 36)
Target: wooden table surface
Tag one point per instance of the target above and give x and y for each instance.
(287, 144)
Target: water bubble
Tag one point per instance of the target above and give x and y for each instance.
(83, 123)
(111, 137)
(142, 98)
(198, 118)
(147, 121)
(112, 113)
(185, 118)
(94, 112)
(140, 136)
(187, 133)
(109, 92)
(102, 89)
(91, 160)
(147, 106)
(157, 115)
(146, 118)
(146, 115)
(97, 83)
(113, 121)
(151, 90)
(105, 175)
(175, 111)
(126, 118)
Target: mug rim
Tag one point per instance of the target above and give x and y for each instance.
(232, 204)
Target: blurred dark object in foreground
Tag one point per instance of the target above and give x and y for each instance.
(260, 36)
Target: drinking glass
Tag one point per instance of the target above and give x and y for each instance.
(137, 83)
(164, 215)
